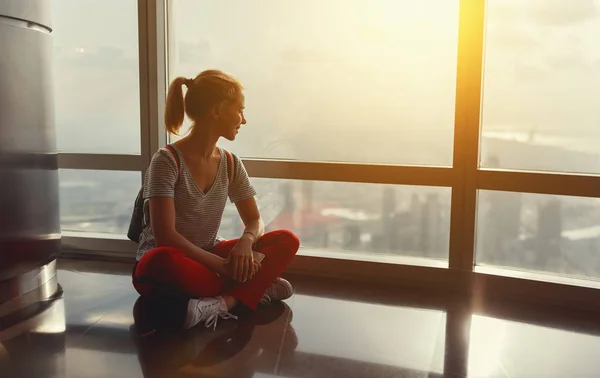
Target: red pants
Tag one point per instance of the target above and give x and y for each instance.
(168, 267)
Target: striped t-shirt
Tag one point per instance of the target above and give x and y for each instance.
(197, 214)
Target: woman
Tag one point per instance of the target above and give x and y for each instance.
(186, 189)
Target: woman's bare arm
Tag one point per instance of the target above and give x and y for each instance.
(241, 258)
(254, 227)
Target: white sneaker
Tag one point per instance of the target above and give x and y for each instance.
(208, 310)
(279, 290)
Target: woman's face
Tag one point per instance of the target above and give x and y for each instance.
(231, 117)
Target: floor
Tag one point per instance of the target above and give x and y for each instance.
(327, 329)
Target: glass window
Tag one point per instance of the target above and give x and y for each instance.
(326, 79)
(96, 80)
(97, 201)
(544, 233)
(541, 86)
(357, 218)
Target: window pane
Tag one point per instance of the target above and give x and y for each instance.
(541, 86)
(325, 79)
(551, 234)
(96, 81)
(359, 218)
(97, 201)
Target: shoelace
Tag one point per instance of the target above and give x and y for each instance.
(211, 321)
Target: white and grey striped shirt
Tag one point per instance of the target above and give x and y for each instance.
(197, 214)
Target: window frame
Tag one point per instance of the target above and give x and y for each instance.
(465, 177)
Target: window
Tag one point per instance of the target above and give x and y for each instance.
(366, 219)
(97, 201)
(358, 81)
(354, 109)
(96, 79)
(541, 85)
(544, 233)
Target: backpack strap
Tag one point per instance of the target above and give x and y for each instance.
(176, 157)
(230, 166)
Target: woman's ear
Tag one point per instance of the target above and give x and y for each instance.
(217, 109)
(214, 111)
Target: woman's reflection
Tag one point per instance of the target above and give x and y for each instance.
(237, 348)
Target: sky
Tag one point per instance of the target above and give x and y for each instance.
(342, 80)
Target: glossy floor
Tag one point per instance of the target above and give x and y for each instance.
(328, 329)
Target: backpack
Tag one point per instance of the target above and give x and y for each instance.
(138, 221)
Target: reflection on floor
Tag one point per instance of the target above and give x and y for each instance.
(328, 329)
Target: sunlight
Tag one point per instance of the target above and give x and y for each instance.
(488, 338)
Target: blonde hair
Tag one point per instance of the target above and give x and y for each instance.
(209, 88)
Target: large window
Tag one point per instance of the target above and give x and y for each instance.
(539, 113)
(458, 136)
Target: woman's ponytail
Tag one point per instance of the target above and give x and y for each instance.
(174, 108)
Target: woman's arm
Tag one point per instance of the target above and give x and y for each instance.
(254, 227)
(162, 221)
(241, 258)
(242, 193)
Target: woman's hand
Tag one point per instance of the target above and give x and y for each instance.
(240, 261)
(224, 269)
